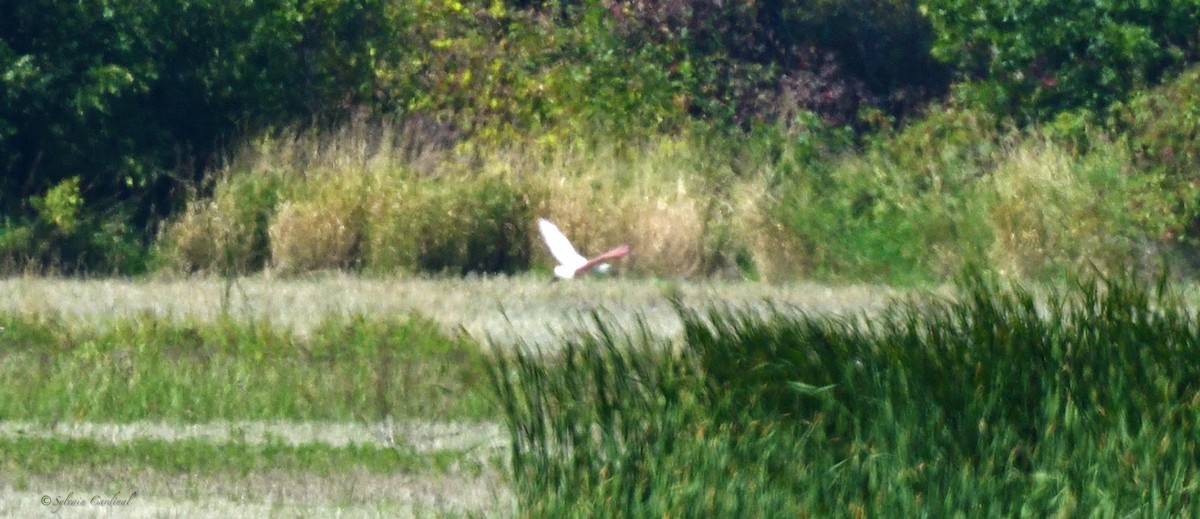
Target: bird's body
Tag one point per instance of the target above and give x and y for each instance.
(571, 262)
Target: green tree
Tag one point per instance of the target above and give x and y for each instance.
(1035, 59)
(132, 97)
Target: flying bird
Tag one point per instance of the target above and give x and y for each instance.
(571, 263)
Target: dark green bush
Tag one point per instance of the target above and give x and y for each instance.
(63, 238)
(632, 68)
(754, 61)
(1164, 124)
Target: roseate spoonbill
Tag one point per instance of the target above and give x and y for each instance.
(571, 262)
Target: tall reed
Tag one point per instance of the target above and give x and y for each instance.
(1001, 400)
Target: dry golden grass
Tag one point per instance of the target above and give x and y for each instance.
(664, 230)
(1049, 207)
(774, 251)
(222, 233)
(391, 236)
(380, 198)
(654, 196)
(300, 202)
(362, 198)
(323, 230)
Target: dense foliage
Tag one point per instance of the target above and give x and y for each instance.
(124, 103)
(112, 114)
(1038, 59)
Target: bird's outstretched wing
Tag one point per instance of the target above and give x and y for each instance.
(560, 247)
(610, 255)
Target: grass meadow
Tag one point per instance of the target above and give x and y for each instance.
(338, 394)
(324, 395)
(233, 416)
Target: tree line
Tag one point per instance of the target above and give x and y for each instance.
(111, 112)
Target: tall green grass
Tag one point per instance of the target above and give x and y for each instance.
(1002, 401)
(155, 368)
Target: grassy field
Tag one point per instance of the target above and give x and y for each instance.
(324, 395)
(337, 395)
(226, 414)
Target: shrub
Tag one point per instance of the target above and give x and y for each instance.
(435, 226)
(18, 246)
(768, 61)
(1162, 125)
(229, 233)
(64, 238)
(901, 212)
(953, 189)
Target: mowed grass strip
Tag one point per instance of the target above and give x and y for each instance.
(47, 455)
(1083, 400)
(157, 368)
(198, 478)
(418, 436)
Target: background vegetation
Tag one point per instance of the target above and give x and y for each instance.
(868, 139)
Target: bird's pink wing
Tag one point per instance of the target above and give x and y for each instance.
(610, 255)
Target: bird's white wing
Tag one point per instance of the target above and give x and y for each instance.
(559, 245)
